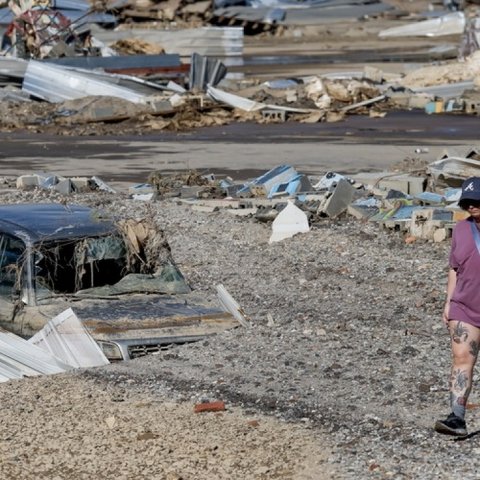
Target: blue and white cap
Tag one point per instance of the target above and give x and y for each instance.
(471, 189)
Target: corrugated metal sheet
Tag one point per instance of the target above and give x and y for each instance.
(55, 83)
(65, 337)
(210, 41)
(205, 71)
(307, 13)
(13, 67)
(18, 359)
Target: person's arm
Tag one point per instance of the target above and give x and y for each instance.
(451, 283)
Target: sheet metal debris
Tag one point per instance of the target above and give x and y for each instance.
(237, 101)
(231, 305)
(290, 221)
(449, 24)
(61, 184)
(417, 202)
(57, 84)
(19, 358)
(66, 337)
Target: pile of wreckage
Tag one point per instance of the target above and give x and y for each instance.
(421, 203)
(58, 54)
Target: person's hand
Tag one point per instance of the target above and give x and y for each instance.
(446, 313)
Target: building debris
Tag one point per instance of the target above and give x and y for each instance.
(19, 358)
(272, 180)
(66, 337)
(62, 344)
(230, 305)
(209, 41)
(450, 24)
(338, 201)
(258, 14)
(61, 184)
(56, 83)
(247, 105)
(71, 55)
(290, 221)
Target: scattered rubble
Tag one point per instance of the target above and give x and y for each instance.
(417, 198)
(141, 81)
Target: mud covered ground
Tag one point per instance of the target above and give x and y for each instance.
(341, 374)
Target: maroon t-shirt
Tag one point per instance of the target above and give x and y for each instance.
(465, 259)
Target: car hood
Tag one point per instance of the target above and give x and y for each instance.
(145, 316)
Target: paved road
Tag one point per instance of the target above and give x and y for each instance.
(243, 150)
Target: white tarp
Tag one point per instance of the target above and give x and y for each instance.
(66, 337)
(290, 221)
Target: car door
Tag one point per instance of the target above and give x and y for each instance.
(12, 255)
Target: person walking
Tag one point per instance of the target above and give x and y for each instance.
(461, 314)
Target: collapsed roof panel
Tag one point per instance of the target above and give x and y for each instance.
(55, 83)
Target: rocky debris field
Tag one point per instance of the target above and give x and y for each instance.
(341, 374)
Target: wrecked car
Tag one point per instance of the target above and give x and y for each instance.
(118, 276)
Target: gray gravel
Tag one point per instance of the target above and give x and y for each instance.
(356, 352)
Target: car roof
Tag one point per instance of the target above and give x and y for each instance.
(53, 221)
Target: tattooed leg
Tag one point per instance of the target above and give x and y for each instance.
(460, 387)
(465, 347)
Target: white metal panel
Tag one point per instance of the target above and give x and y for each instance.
(54, 84)
(66, 337)
(19, 358)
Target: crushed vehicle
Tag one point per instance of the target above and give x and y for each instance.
(117, 275)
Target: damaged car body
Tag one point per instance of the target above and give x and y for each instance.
(118, 276)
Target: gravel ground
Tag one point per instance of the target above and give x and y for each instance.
(341, 375)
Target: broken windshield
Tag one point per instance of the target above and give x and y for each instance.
(99, 267)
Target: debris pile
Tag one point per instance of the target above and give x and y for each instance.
(417, 198)
(61, 66)
(420, 203)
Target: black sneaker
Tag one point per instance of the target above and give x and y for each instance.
(452, 425)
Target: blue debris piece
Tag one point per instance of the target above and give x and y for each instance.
(300, 183)
(264, 184)
(452, 194)
(405, 212)
(430, 198)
